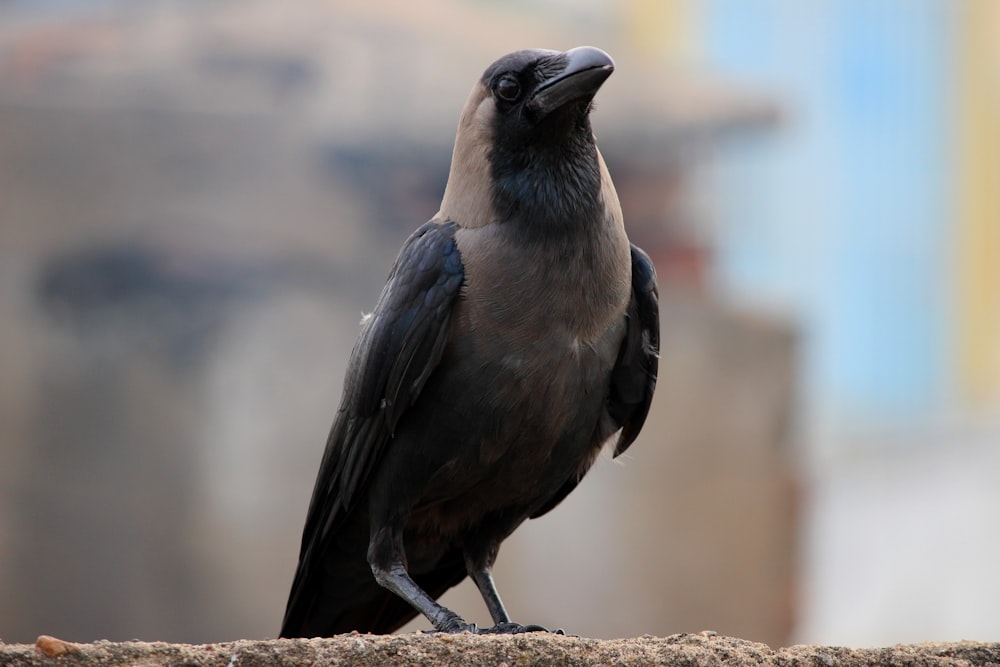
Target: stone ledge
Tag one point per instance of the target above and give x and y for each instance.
(688, 650)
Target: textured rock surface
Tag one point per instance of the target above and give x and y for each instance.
(702, 650)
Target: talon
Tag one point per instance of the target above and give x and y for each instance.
(454, 624)
(517, 629)
(533, 628)
(501, 629)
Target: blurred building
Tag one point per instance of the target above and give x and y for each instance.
(198, 200)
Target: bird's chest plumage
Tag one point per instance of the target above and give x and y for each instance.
(526, 423)
(527, 378)
(544, 319)
(543, 295)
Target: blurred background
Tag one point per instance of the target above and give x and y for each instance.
(198, 199)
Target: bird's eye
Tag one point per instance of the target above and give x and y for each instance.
(508, 88)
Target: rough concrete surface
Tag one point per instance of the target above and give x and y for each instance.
(701, 650)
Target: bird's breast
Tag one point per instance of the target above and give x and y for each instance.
(521, 386)
(560, 295)
(535, 335)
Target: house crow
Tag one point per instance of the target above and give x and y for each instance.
(517, 334)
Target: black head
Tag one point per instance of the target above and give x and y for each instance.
(542, 95)
(525, 149)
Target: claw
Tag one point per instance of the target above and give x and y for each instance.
(517, 629)
(454, 624)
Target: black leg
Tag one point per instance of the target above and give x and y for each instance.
(397, 580)
(387, 558)
(484, 582)
(479, 563)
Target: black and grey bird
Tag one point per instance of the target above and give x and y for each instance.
(517, 334)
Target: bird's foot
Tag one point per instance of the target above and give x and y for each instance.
(517, 629)
(452, 623)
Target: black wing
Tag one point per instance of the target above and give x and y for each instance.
(633, 377)
(400, 345)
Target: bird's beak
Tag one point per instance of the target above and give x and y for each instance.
(586, 69)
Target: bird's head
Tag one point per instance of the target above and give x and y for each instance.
(525, 134)
(541, 96)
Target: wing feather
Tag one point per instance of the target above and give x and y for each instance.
(398, 348)
(634, 376)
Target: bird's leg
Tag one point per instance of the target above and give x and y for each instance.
(396, 579)
(479, 564)
(387, 560)
(484, 582)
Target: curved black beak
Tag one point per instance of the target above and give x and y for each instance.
(586, 69)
